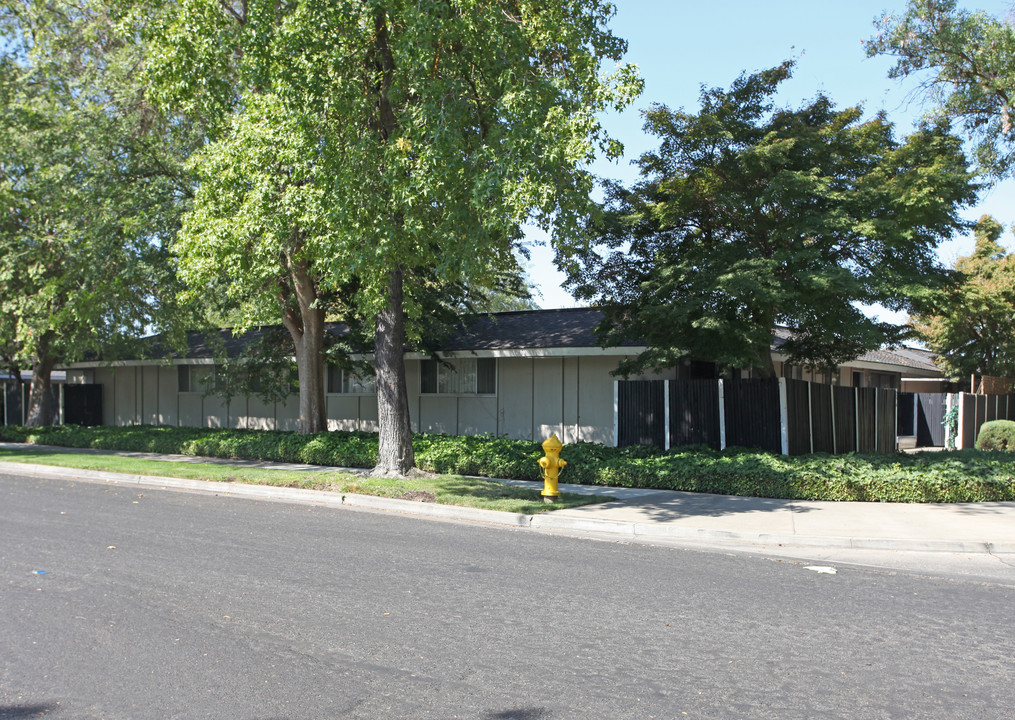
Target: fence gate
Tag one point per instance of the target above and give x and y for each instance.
(930, 413)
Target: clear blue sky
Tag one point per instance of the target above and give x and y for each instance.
(680, 46)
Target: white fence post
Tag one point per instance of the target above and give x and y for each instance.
(666, 414)
(876, 423)
(722, 418)
(616, 413)
(784, 416)
(856, 419)
(959, 431)
(810, 413)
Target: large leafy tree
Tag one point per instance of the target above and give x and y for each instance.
(91, 186)
(971, 325)
(376, 150)
(749, 216)
(965, 61)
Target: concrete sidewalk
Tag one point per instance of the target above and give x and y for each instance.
(658, 514)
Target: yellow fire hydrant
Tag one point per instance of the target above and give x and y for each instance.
(551, 464)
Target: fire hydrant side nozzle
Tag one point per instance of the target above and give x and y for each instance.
(551, 464)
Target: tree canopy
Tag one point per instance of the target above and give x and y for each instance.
(972, 323)
(966, 63)
(92, 186)
(361, 144)
(748, 216)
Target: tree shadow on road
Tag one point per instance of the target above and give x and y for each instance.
(519, 714)
(18, 712)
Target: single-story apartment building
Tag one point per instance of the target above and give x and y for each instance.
(520, 374)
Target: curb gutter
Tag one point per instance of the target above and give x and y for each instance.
(548, 521)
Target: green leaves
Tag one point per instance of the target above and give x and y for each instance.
(748, 216)
(969, 322)
(94, 181)
(970, 59)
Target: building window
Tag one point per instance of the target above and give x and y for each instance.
(196, 378)
(465, 376)
(884, 380)
(346, 382)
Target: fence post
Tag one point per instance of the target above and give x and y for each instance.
(959, 441)
(722, 418)
(810, 414)
(783, 416)
(856, 419)
(896, 426)
(666, 414)
(616, 413)
(876, 424)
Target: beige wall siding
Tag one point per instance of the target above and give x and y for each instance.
(477, 415)
(571, 404)
(125, 395)
(150, 392)
(104, 377)
(343, 412)
(570, 396)
(438, 414)
(287, 413)
(191, 409)
(595, 399)
(547, 398)
(514, 391)
(168, 397)
(215, 412)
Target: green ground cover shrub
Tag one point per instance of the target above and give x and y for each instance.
(961, 476)
(997, 435)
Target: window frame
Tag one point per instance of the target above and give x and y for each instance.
(442, 368)
(329, 390)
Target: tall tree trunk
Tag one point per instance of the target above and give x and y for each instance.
(395, 453)
(40, 408)
(310, 370)
(307, 330)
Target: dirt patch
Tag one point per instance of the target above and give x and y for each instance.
(418, 496)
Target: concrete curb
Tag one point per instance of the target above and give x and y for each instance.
(544, 522)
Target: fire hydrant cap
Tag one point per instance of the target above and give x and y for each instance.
(552, 443)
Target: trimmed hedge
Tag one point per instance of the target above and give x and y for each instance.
(997, 435)
(963, 476)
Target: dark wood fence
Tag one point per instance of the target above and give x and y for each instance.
(694, 413)
(13, 403)
(779, 415)
(752, 414)
(82, 404)
(641, 410)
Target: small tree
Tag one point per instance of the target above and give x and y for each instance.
(747, 217)
(971, 322)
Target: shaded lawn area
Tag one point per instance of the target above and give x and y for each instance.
(443, 489)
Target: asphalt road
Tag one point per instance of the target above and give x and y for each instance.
(156, 604)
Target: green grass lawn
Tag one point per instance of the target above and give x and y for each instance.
(444, 489)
